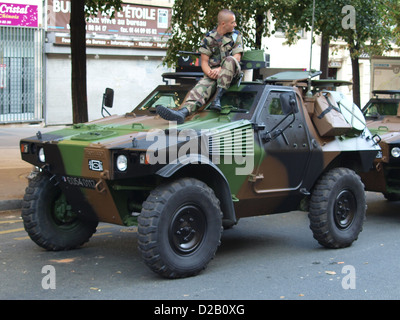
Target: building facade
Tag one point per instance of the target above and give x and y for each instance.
(21, 61)
(124, 53)
(298, 57)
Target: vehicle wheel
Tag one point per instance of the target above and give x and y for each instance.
(337, 208)
(392, 196)
(49, 219)
(180, 228)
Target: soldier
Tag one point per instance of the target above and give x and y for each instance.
(220, 56)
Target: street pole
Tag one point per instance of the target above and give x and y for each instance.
(309, 93)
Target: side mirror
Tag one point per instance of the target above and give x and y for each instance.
(288, 103)
(108, 99)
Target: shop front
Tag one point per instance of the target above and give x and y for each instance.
(21, 85)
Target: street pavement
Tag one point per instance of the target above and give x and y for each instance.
(14, 171)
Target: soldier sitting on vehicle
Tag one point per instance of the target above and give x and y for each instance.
(220, 56)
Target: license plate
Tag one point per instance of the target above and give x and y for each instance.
(80, 182)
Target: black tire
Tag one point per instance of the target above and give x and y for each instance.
(337, 208)
(180, 228)
(392, 196)
(49, 220)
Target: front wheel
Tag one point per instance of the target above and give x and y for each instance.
(49, 219)
(180, 228)
(337, 208)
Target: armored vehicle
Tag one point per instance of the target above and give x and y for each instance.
(269, 150)
(382, 113)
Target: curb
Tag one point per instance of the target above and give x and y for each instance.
(10, 204)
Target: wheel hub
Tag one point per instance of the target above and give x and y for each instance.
(63, 213)
(187, 229)
(345, 209)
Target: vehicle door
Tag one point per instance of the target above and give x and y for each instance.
(285, 142)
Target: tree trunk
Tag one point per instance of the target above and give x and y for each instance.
(324, 57)
(78, 62)
(259, 28)
(356, 79)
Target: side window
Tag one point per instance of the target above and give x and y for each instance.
(274, 106)
(278, 104)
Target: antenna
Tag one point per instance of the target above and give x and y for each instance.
(309, 93)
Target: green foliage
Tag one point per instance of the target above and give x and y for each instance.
(392, 18)
(93, 7)
(372, 33)
(377, 22)
(192, 19)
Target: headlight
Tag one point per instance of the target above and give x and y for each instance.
(395, 152)
(42, 157)
(122, 163)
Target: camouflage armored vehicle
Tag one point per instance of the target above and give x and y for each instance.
(382, 113)
(183, 184)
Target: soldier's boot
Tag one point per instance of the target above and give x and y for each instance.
(216, 104)
(172, 115)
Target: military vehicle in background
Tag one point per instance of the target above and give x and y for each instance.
(273, 148)
(382, 113)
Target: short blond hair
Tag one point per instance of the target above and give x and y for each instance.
(223, 15)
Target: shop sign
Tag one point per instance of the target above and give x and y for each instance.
(66, 40)
(132, 21)
(18, 15)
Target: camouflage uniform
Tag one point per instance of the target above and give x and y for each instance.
(221, 51)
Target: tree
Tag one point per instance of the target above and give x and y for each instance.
(78, 62)
(393, 19)
(363, 24)
(80, 9)
(192, 19)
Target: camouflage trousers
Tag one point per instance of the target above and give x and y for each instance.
(206, 87)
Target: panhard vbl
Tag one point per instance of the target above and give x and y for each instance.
(277, 145)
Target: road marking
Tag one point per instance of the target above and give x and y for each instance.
(12, 230)
(101, 234)
(27, 237)
(94, 235)
(103, 227)
(10, 221)
(22, 238)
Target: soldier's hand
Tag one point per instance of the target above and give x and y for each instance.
(213, 73)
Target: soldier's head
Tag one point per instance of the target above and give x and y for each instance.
(226, 21)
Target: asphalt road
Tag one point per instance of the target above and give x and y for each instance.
(270, 257)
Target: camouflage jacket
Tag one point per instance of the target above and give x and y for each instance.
(218, 48)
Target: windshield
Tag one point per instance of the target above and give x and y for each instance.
(170, 99)
(235, 101)
(238, 101)
(380, 108)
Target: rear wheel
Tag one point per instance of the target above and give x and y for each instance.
(49, 219)
(392, 196)
(180, 228)
(337, 208)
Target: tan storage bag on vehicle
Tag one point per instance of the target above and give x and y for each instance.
(327, 116)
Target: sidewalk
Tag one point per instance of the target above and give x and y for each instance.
(14, 171)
